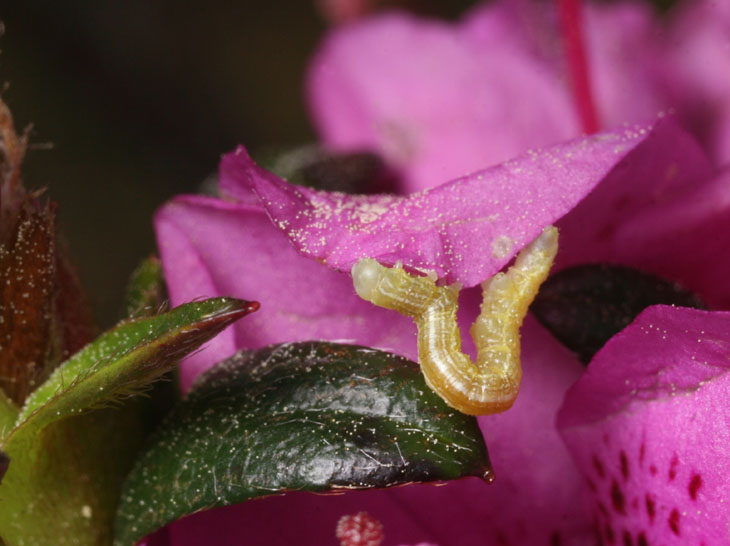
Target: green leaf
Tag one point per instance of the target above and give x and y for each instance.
(146, 296)
(145, 291)
(311, 416)
(67, 462)
(126, 359)
(62, 485)
(587, 305)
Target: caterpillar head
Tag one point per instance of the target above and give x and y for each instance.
(366, 275)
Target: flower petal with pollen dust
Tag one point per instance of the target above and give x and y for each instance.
(664, 211)
(648, 425)
(464, 231)
(211, 248)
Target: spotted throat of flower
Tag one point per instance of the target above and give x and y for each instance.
(491, 384)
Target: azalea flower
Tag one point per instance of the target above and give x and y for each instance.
(438, 100)
(650, 199)
(646, 425)
(242, 246)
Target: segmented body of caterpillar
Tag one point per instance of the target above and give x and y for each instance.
(491, 384)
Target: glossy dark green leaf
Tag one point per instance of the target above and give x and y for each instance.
(308, 416)
(69, 451)
(585, 306)
(146, 289)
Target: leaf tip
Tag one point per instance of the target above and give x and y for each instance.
(240, 308)
(487, 474)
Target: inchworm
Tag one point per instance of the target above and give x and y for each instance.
(491, 384)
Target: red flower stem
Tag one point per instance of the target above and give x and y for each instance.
(570, 21)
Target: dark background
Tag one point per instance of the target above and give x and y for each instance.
(132, 102)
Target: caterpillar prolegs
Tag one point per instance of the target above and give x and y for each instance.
(491, 384)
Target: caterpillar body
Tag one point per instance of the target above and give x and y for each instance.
(491, 384)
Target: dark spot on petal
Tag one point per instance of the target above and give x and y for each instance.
(617, 498)
(642, 453)
(635, 503)
(641, 540)
(624, 465)
(606, 232)
(605, 439)
(650, 507)
(622, 202)
(653, 470)
(501, 539)
(628, 541)
(673, 467)
(602, 508)
(591, 485)
(555, 539)
(674, 521)
(598, 465)
(694, 486)
(608, 533)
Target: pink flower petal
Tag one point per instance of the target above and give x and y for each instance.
(465, 230)
(624, 50)
(430, 100)
(691, 248)
(213, 248)
(662, 212)
(440, 100)
(543, 495)
(647, 425)
(697, 63)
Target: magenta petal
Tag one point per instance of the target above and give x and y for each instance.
(661, 212)
(698, 61)
(536, 498)
(439, 100)
(465, 230)
(624, 61)
(648, 426)
(435, 103)
(542, 494)
(188, 278)
(214, 248)
(685, 239)
(621, 45)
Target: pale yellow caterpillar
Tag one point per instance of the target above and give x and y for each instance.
(491, 384)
